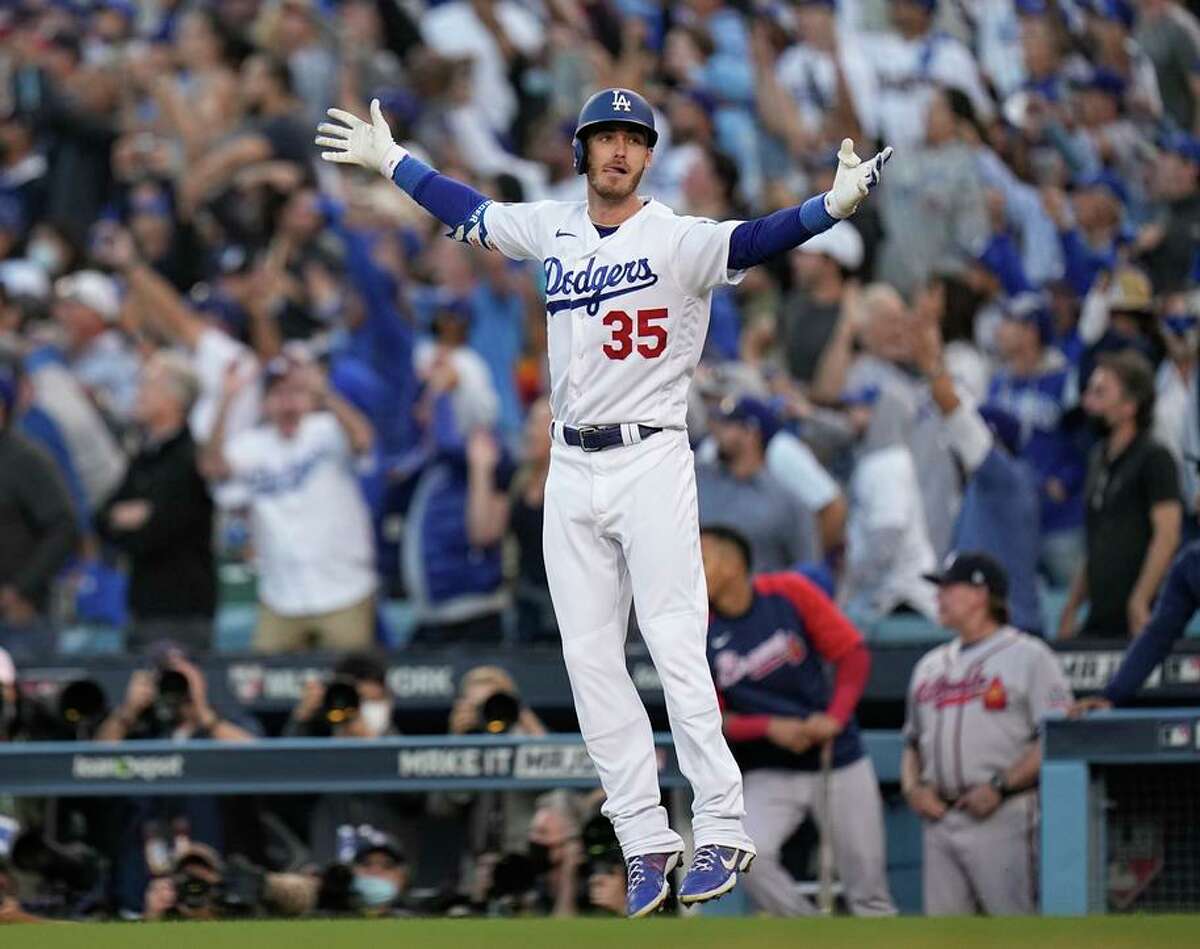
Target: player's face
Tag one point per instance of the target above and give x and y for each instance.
(721, 564)
(617, 157)
(957, 602)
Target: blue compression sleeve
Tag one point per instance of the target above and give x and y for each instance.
(752, 242)
(1176, 604)
(450, 201)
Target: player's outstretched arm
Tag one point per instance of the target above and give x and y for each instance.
(351, 141)
(752, 242)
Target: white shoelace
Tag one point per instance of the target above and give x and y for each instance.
(637, 871)
(705, 858)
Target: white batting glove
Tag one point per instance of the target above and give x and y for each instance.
(854, 180)
(356, 142)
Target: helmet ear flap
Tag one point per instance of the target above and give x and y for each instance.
(580, 155)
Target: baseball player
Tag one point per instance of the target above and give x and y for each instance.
(769, 639)
(972, 755)
(628, 287)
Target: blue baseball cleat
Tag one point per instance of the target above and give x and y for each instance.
(713, 873)
(646, 885)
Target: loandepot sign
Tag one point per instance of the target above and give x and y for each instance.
(126, 767)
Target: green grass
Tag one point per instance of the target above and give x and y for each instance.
(1124, 932)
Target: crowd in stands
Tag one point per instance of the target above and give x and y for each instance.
(216, 350)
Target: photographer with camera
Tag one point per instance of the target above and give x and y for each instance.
(354, 704)
(171, 702)
(168, 702)
(199, 885)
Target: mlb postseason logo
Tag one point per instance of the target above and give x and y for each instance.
(621, 102)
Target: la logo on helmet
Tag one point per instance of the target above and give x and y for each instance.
(621, 102)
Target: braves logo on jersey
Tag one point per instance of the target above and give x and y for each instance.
(595, 283)
(781, 648)
(943, 692)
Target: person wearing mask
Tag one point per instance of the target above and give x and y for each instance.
(161, 516)
(1133, 507)
(38, 533)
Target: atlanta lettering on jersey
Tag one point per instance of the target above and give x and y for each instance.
(781, 648)
(943, 692)
(594, 284)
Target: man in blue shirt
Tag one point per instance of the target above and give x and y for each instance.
(999, 513)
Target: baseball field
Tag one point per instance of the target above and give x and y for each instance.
(1126, 932)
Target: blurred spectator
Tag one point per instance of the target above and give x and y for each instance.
(293, 30)
(1167, 242)
(1133, 507)
(501, 39)
(87, 307)
(460, 504)
(536, 622)
(887, 542)
(1170, 36)
(809, 314)
(769, 640)
(879, 319)
(161, 516)
(909, 63)
(738, 487)
(933, 208)
(23, 170)
(1038, 387)
(999, 513)
(162, 312)
(276, 130)
(312, 531)
(1088, 224)
(1177, 406)
(37, 533)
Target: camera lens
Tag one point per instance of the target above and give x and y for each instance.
(340, 704)
(500, 712)
(172, 684)
(80, 701)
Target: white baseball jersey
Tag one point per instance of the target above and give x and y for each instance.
(312, 531)
(627, 313)
(972, 711)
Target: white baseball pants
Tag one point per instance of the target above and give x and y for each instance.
(622, 524)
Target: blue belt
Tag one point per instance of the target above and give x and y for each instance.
(600, 437)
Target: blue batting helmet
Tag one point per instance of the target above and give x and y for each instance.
(608, 106)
